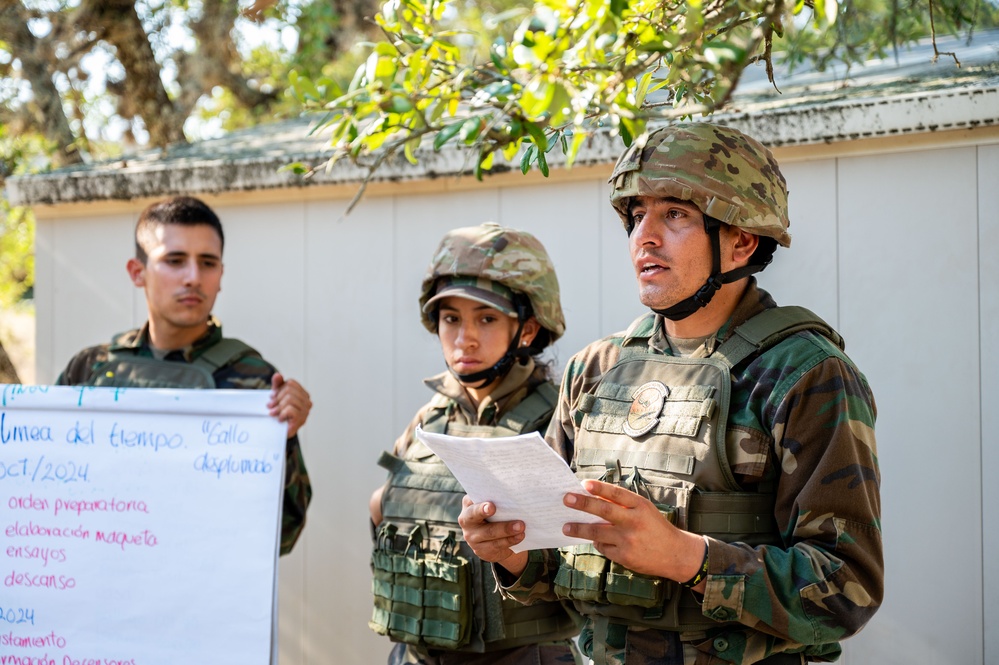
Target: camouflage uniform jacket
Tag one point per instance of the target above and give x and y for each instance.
(801, 419)
(249, 373)
(514, 387)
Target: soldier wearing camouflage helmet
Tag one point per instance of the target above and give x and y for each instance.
(491, 296)
(726, 443)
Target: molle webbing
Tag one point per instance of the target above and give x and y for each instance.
(605, 588)
(132, 371)
(694, 408)
(125, 368)
(768, 328)
(533, 411)
(437, 607)
(745, 517)
(421, 597)
(684, 411)
(525, 624)
(425, 476)
(226, 352)
(655, 403)
(529, 415)
(642, 459)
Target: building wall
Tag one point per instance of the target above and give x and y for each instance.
(892, 245)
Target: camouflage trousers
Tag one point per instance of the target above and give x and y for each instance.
(617, 644)
(551, 653)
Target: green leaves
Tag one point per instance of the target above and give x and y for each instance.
(825, 12)
(470, 130)
(537, 83)
(538, 136)
(546, 79)
(530, 155)
(446, 134)
(17, 270)
(297, 168)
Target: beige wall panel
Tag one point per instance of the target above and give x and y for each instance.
(47, 366)
(263, 303)
(351, 321)
(262, 298)
(91, 293)
(909, 311)
(619, 304)
(563, 218)
(293, 579)
(806, 273)
(988, 257)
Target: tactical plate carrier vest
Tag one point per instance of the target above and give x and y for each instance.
(430, 589)
(124, 366)
(656, 424)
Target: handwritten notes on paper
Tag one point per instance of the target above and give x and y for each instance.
(138, 526)
(522, 476)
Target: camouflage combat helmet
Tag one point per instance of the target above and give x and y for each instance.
(728, 175)
(512, 258)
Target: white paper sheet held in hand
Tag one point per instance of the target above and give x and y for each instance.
(522, 476)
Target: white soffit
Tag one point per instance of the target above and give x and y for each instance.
(869, 118)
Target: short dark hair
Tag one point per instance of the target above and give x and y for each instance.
(184, 210)
(764, 253)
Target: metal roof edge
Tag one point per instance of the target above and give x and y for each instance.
(817, 123)
(960, 108)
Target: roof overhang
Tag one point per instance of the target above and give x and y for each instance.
(912, 98)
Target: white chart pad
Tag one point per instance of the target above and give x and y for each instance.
(138, 526)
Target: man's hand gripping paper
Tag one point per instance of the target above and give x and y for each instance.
(522, 477)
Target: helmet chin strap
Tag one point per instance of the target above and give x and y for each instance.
(688, 306)
(514, 352)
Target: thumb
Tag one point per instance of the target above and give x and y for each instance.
(277, 381)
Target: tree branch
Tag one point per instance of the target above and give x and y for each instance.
(117, 22)
(36, 56)
(217, 61)
(933, 36)
(8, 373)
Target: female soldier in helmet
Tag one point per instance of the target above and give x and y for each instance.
(492, 297)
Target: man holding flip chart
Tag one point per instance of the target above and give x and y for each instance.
(178, 263)
(727, 443)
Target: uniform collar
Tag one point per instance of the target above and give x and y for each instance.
(515, 380)
(754, 300)
(651, 330)
(138, 341)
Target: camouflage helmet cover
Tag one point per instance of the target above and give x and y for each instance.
(502, 254)
(725, 173)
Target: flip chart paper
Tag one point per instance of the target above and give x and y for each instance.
(138, 526)
(522, 476)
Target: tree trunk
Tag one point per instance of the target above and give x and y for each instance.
(7, 372)
(46, 111)
(118, 23)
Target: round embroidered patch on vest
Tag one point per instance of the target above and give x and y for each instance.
(645, 408)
